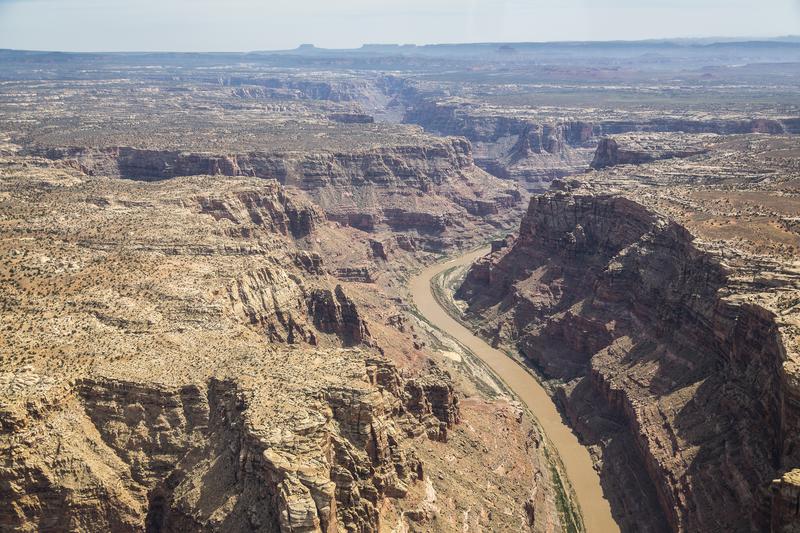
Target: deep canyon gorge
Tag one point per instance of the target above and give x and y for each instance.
(533, 287)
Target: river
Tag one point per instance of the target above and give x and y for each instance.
(575, 457)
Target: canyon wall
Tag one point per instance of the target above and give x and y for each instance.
(635, 324)
(469, 120)
(421, 164)
(509, 146)
(213, 353)
(133, 456)
(343, 89)
(537, 149)
(609, 152)
(431, 188)
(211, 375)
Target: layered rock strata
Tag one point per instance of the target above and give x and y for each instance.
(536, 145)
(619, 308)
(220, 455)
(429, 189)
(178, 356)
(643, 148)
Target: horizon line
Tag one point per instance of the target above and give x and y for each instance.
(785, 39)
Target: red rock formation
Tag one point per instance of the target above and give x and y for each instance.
(287, 310)
(428, 187)
(609, 153)
(219, 456)
(536, 149)
(271, 208)
(617, 304)
(786, 503)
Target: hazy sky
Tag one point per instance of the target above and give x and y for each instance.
(223, 25)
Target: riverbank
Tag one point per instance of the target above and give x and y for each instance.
(576, 460)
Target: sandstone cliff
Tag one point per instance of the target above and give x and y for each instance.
(201, 380)
(643, 148)
(431, 188)
(220, 455)
(536, 145)
(508, 146)
(635, 326)
(177, 356)
(330, 88)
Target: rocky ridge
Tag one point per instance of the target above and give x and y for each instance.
(636, 149)
(172, 435)
(536, 145)
(329, 462)
(162, 339)
(431, 189)
(619, 307)
(181, 355)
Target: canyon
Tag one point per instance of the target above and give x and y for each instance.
(618, 307)
(125, 410)
(252, 292)
(577, 461)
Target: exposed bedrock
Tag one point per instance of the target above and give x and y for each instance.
(219, 456)
(344, 90)
(420, 165)
(426, 188)
(463, 119)
(269, 207)
(287, 310)
(636, 326)
(511, 147)
(455, 119)
(536, 150)
(785, 498)
(609, 152)
(334, 312)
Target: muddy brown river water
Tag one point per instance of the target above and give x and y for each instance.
(575, 457)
